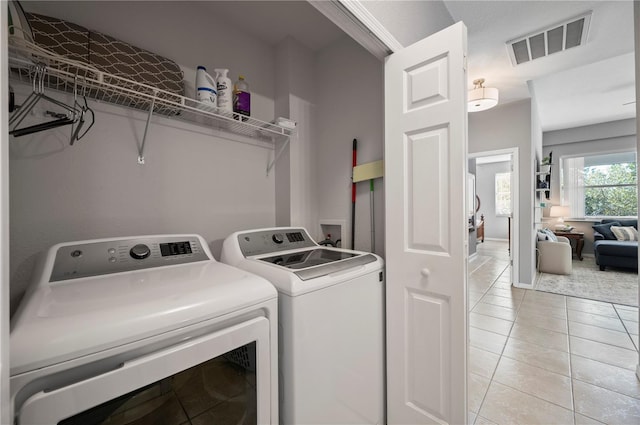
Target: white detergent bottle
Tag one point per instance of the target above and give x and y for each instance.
(205, 87)
(225, 94)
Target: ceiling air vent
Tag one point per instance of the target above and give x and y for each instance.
(544, 42)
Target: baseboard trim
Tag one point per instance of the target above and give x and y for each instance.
(496, 239)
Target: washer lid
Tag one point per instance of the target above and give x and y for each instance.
(74, 318)
(313, 263)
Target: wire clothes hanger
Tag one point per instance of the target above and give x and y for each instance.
(75, 114)
(75, 133)
(31, 101)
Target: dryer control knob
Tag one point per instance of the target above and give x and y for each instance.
(277, 238)
(140, 252)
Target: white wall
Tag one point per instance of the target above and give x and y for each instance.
(495, 227)
(410, 21)
(350, 105)
(601, 131)
(535, 153)
(509, 126)
(193, 181)
(295, 98)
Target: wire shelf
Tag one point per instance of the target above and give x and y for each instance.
(66, 75)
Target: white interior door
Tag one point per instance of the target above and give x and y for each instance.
(426, 230)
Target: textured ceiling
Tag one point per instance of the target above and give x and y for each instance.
(582, 85)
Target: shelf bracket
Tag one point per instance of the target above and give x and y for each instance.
(146, 129)
(278, 154)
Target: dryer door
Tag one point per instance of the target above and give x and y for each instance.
(163, 384)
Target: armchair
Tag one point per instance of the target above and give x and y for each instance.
(555, 257)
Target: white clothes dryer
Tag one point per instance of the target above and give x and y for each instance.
(331, 320)
(114, 321)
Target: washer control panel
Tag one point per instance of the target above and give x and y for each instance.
(74, 261)
(274, 240)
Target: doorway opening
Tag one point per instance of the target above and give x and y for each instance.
(496, 218)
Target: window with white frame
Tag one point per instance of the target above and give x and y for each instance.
(602, 185)
(503, 194)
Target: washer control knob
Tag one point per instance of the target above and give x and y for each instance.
(277, 238)
(140, 252)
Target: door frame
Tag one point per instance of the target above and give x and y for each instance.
(5, 417)
(515, 206)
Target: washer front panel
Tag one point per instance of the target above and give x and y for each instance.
(123, 255)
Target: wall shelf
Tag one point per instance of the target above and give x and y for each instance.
(27, 60)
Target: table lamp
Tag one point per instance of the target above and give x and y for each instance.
(560, 211)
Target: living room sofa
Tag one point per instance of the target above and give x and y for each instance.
(611, 252)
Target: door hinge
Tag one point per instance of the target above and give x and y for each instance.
(464, 62)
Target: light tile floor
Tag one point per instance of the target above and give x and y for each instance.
(542, 358)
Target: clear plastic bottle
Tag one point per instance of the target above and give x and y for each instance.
(241, 97)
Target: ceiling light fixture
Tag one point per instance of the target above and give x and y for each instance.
(481, 98)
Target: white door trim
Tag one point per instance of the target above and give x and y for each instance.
(636, 26)
(4, 221)
(515, 204)
(353, 18)
(363, 15)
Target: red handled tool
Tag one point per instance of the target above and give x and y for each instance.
(353, 196)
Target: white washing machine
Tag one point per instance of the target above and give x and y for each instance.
(331, 324)
(136, 326)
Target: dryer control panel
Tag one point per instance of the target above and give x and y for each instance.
(102, 257)
(274, 240)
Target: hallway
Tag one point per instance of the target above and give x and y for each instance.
(542, 358)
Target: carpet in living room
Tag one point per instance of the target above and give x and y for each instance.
(618, 286)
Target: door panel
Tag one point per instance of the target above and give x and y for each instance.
(426, 83)
(426, 230)
(427, 382)
(426, 166)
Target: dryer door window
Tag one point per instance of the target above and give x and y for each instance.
(179, 385)
(219, 390)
